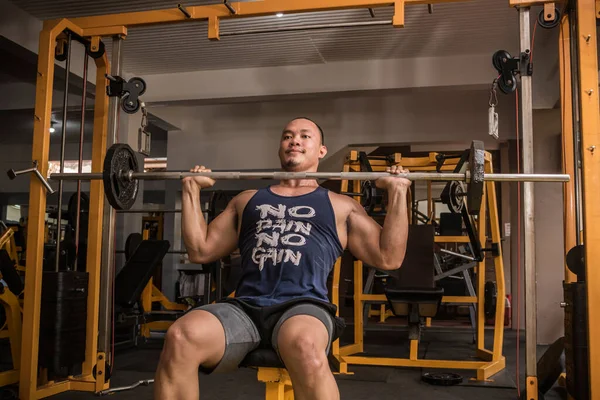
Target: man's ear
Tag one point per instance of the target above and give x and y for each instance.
(323, 151)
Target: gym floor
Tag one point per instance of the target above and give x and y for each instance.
(133, 365)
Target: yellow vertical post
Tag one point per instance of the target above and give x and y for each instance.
(94, 252)
(568, 162)
(429, 203)
(590, 142)
(490, 194)
(37, 212)
(358, 305)
(414, 349)
(481, 229)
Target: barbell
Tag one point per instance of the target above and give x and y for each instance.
(121, 175)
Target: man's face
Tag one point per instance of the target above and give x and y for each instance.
(300, 148)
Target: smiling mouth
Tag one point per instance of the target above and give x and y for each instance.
(294, 151)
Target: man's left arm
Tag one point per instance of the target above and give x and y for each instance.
(381, 247)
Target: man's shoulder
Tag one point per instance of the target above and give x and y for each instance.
(242, 198)
(342, 202)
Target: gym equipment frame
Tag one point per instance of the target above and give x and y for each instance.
(93, 377)
(491, 361)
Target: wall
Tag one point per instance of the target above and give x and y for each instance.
(245, 135)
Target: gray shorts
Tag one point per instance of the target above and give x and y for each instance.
(242, 335)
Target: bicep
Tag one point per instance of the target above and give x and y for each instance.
(364, 235)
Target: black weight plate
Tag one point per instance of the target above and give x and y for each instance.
(576, 260)
(456, 197)
(476, 182)
(442, 378)
(120, 192)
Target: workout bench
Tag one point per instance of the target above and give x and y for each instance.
(271, 370)
(412, 292)
(145, 257)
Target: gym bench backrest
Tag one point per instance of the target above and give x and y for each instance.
(138, 270)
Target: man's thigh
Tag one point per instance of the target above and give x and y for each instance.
(241, 335)
(305, 319)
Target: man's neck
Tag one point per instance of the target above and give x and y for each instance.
(296, 183)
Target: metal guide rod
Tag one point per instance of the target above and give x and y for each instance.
(574, 50)
(80, 161)
(232, 175)
(63, 140)
(528, 208)
(106, 273)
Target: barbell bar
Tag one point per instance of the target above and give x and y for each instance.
(121, 175)
(362, 176)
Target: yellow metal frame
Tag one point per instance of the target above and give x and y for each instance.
(92, 28)
(7, 242)
(12, 331)
(492, 361)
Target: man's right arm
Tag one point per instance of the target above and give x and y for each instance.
(206, 242)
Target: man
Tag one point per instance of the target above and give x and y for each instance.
(289, 236)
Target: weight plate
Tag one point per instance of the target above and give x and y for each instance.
(442, 378)
(476, 182)
(456, 196)
(120, 192)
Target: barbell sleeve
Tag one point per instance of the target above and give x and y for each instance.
(363, 176)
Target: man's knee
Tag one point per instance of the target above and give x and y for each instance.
(303, 341)
(198, 337)
(305, 351)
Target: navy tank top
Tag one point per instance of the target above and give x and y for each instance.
(288, 246)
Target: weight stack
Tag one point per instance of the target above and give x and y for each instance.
(63, 322)
(576, 341)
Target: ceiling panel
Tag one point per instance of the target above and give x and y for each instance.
(452, 29)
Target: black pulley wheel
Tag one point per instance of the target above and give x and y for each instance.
(499, 58)
(139, 84)
(576, 260)
(549, 24)
(442, 378)
(130, 106)
(509, 86)
(61, 57)
(98, 53)
(120, 191)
